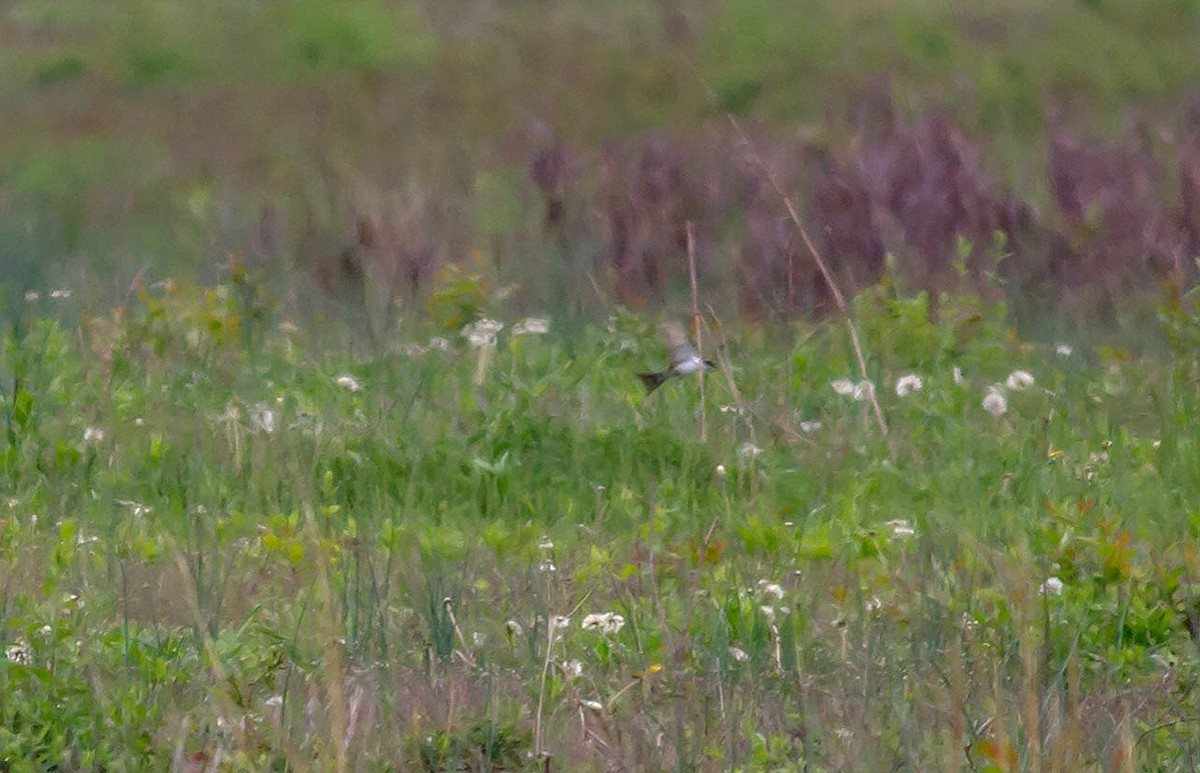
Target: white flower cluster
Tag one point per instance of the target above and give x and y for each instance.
(482, 332)
(607, 623)
(19, 653)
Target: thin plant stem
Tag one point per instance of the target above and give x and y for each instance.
(696, 324)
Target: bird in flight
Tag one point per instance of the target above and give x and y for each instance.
(685, 360)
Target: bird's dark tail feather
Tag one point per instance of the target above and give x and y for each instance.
(653, 381)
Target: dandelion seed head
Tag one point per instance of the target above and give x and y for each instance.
(1018, 380)
(994, 402)
(906, 385)
(1052, 587)
(843, 386)
(771, 589)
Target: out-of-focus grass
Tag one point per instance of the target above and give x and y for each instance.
(119, 116)
(222, 542)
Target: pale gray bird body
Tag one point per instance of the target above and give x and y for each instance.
(685, 360)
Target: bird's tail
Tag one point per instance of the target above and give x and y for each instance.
(653, 381)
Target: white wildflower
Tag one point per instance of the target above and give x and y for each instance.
(771, 589)
(439, 343)
(19, 653)
(560, 621)
(274, 701)
(32, 296)
(1019, 379)
(514, 628)
(863, 390)
(721, 471)
(546, 544)
(348, 382)
(604, 622)
(769, 611)
(572, 668)
(810, 426)
(60, 294)
(738, 654)
(874, 604)
(749, 451)
(959, 378)
(1063, 350)
(531, 326)
(843, 386)
(994, 402)
(478, 638)
(93, 435)
(905, 385)
(547, 567)
(46, 631)
(482, 332)
(901, 528)
(1052, 587)
(594, 705)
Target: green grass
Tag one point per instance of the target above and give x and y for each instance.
(215, 548)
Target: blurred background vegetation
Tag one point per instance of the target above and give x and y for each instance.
(147, 138)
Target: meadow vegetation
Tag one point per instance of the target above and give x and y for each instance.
(324, 448)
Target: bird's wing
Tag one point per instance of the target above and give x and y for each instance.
(677, 341)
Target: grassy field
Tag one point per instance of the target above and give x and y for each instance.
(323, 443)
(224, 547)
